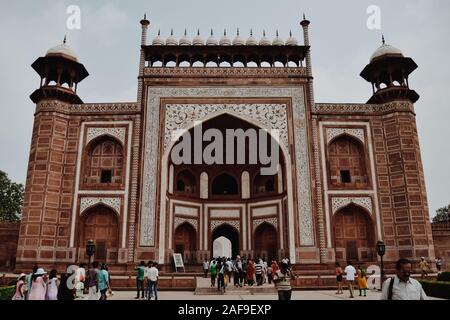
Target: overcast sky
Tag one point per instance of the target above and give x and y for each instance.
(109, 38)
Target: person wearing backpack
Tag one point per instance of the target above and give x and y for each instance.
(402, 286)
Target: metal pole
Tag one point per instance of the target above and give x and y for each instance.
(381, 274)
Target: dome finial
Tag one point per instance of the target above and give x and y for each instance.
(251, 32)
(238, 31)
(212, 32)
(277, 33)
(145, 16)
(290, 33)
(185, 32)
(159, 32)
(198, 32)
(264, 33)
(171, 32)
(65, 39)
(382, 39)
(304, 16)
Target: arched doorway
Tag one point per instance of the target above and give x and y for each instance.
(353, 234)
(101, 225)
(222, 247)
(186, 242)
(266, 244)
(230, 233)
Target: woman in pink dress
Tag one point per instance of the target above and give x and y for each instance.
(20, 286)
(38, 286)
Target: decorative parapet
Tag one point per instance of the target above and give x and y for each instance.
(347, 108)
(225, 72)
(58, 106)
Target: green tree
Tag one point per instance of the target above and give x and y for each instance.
(11, 199)
(442, 214)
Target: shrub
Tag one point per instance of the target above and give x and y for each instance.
(6, 293)
(437, 289)
(444, 276)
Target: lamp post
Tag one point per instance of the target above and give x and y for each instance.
(381, 250)
(90, 250)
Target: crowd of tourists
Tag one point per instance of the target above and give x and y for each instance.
(74, 283)
(250, 272)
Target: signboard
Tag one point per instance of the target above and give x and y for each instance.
(178, 260)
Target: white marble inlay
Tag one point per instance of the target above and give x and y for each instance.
(338, 203)
(118, 133)
(266, 211)
(152, 137)
(225, 213)
(217, 223)
(179, 221)
(186, 211)
(258, 222)
(334, 132)
(89, 202)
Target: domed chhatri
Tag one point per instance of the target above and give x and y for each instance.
(238, 41)
(291, 41)
(158, 41)
(225, 41)
(185, 40)
(386, 50)
(171, 41)
(264, 41)
(198, 41)
(278, 41)
(251, 41)
(63, 50)
(211, 40)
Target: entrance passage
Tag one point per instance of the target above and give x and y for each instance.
(222, 247)
(229, 233)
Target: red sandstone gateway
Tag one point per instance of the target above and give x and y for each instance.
(349, 174)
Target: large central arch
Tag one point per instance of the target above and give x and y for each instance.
(227, 231)
(270, 186)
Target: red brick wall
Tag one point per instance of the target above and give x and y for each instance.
(9, 235)
(44, 232)
(401, 187)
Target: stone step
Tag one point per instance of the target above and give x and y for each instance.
(237, 291)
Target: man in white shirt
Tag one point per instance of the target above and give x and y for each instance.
(350, 272)
(402, 287)
(152, 276)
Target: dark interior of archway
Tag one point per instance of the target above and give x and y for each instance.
(224, 185)
(231, 234)
(222, 123)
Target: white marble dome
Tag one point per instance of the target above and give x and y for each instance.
(238, 41)
(278, 41)
(63, 50)
(291, 41)
(211, 41)
(171, 41)
(198, 41)
(185, 41)
(158, 41)
(384, 50)
(251, 41)
(264, 41)
(225, 41)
